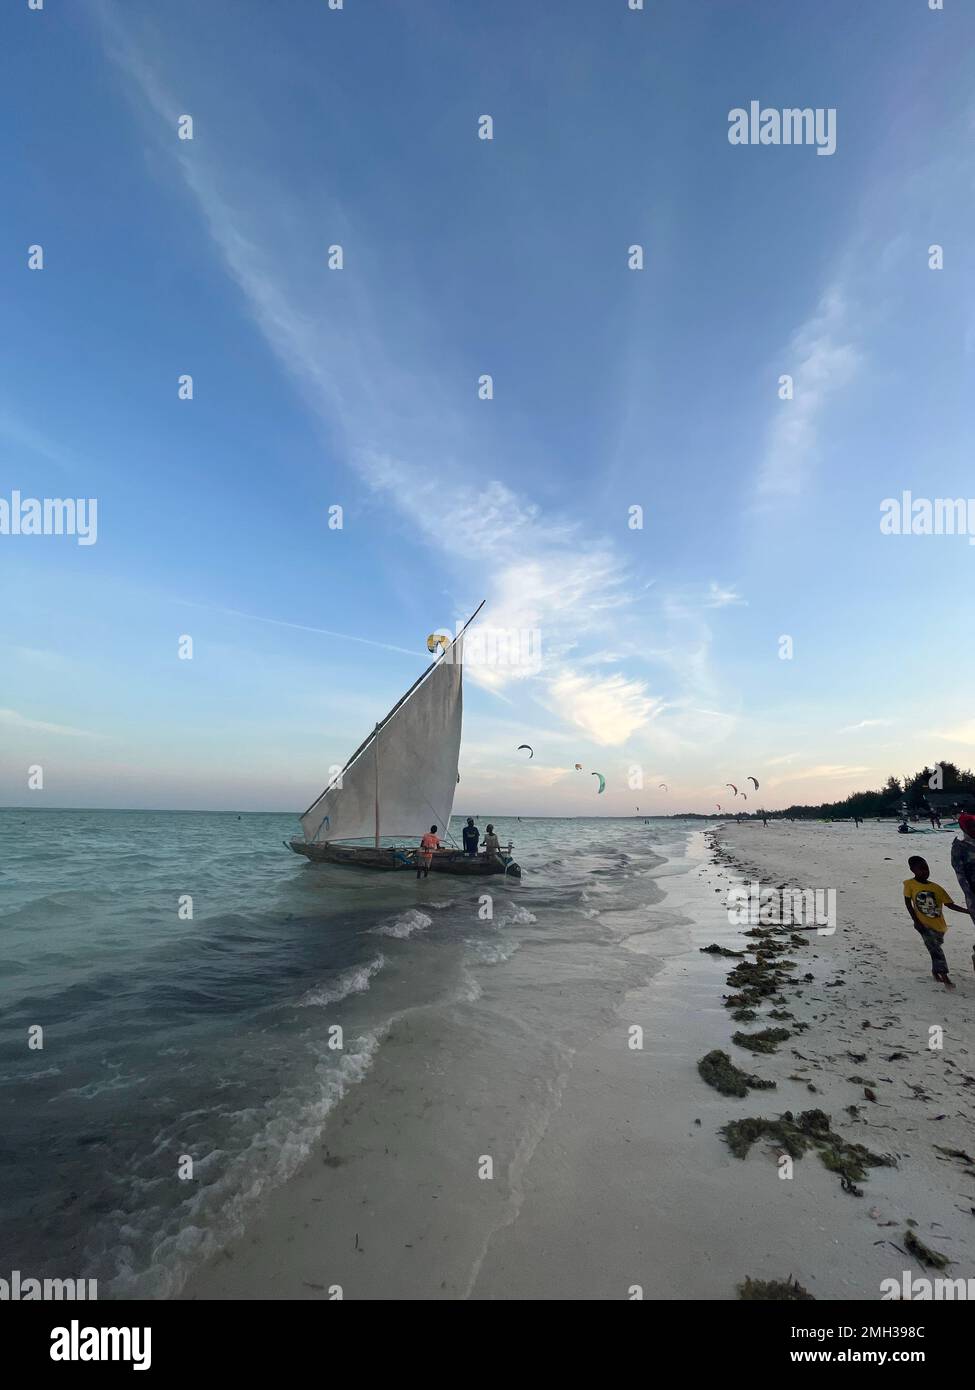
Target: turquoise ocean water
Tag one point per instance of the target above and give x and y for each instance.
(169, 1036)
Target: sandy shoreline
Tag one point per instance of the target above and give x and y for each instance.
(622, 1180)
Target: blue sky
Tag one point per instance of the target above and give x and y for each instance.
(613, 388)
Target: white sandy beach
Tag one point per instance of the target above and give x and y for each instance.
(622, 1180)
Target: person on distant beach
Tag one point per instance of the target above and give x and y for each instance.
(856, 822)
(926, 901)
(471, 837)
(963, 862)
(492, 845)
(428, 843)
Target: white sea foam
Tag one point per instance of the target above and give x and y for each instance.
(354, 981)
(213, 1214)
(516, 917)
(470, 991)
(493, 952)
(405, 924)
(118, 1082)
(13, 1076)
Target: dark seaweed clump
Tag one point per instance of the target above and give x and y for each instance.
(779, 1289)
(756, 981)
(810, 1130)
(719, 1071)
(932, 1258)
(765, 1041)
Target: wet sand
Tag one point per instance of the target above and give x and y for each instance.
(611, 1179)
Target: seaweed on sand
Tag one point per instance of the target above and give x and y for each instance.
(932, 1258)
(765, 1041)
(810, 1130)
(956, 1153)
(771, 947)
(759, 979)
(758, 973)
(719, 1071)
(779, 1289)
(715, 950)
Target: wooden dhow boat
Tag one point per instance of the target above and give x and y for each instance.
(400, 781)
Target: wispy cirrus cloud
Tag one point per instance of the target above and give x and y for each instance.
(960, 733)
(719, 597)
(821, 359)
(608, 709)
(299, 627)
(13, 719)
(866, 724)
(396, 430)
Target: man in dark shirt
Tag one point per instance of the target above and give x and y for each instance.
(471, 837)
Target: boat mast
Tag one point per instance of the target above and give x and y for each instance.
(377, 785)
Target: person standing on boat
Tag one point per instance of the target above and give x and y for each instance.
(471, 837)
(428, 843)
(492, 845)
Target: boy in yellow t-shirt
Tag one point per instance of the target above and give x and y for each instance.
(925, 902)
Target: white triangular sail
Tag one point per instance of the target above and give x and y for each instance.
(404, 777)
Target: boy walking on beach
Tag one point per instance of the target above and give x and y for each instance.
(925, 901)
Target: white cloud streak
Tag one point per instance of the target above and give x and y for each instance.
(866, 724)
(397, 433)
(12, 719)
(821, 359)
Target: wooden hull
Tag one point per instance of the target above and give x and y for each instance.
(364, 857)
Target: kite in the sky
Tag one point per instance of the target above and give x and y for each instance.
(664, 785)
(437, 639)
(602, 782)
(755, 780)
(578, 767)
(744, 796)
(732, 786)
(531, 751)
(719, 808)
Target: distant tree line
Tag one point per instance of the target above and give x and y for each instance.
(909, 790)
